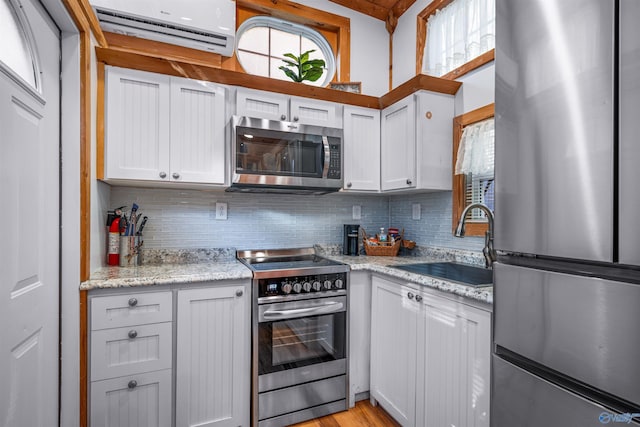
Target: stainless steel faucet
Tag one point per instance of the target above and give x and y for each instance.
(488, 251)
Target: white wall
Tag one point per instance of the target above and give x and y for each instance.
(369, 47)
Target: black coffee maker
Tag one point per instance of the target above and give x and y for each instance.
(351, 236)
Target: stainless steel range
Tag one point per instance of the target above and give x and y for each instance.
(299, 348)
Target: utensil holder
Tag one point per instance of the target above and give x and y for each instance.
(130, 247)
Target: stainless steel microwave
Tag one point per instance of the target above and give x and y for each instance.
(285, 157)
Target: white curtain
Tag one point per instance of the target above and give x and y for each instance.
(476, 152)
(458, 33)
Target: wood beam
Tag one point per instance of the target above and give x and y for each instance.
(365, 6)
(420, 82)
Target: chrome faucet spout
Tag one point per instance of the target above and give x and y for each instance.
(488, 251)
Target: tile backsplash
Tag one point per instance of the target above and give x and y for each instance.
(185, 219)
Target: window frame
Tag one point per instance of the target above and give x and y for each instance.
(421, 41)
(321, 21)
(459, 181)
(293, 28)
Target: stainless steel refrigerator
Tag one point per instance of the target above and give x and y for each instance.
(567, 284)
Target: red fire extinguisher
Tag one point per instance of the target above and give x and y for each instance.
(113, 240)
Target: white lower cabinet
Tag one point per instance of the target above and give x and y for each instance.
(359, 333)
(430, 357)
(213, 357)
(131, 359)
(135, 338)
(140, 400)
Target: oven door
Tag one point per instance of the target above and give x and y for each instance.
(296, 334)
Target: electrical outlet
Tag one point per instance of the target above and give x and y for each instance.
(357, 212)
(415, 211)
(221, 211)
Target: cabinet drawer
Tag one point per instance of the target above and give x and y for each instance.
(130, 309)
(117, 402)
(133, 349)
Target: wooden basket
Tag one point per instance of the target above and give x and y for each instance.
(381, 249)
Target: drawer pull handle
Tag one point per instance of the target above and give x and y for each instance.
(132, 384)
(418, 298)
(133, 302)
(133, 333)
(239, 293)
(410, 295)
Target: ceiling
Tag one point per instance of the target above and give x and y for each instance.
(385, 10)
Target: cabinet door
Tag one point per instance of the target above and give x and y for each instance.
(262, 105)
(393, 349)
(398, 145)
(361, 149)
(197, 132)
(137, 125)
(318, 113)
(213, 368)
(434, 138)
(359, 333)
(142, 400)
(454, 373)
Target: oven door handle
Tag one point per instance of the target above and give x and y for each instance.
(329, 307)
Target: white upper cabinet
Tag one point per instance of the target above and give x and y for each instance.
(398, 146)
(361, 149)
(164, 129)
(416, 142)
(274, 106)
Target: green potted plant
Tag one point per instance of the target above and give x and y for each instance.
(302, 68)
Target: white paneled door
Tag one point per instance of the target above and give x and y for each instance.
(29, 256)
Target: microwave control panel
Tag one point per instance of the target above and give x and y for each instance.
(335, 161)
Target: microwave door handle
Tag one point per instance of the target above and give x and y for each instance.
(327, 157)
(331, 307)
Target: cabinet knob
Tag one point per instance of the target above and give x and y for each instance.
(175, 175)
(239, 292)
(295, 118)
(283, 117)
(429, 115)
(133, 333)
(410, 295)
(348, 185)
(163, 175)
(418, 298)
(132, 384)
(409, 181)
(133, 302)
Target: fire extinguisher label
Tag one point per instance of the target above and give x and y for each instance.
(114, 243)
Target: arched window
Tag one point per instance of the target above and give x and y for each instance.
(16, 54)
(262, 42)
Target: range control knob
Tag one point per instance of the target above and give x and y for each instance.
(327, 284)
(297, 287)
(338, 283)
(286, 287)
(317, 285)
(306, 286)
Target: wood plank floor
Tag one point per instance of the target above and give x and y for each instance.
(363, 415)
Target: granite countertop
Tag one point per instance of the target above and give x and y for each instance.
(212, 265)
(166, 274)
(384, 265)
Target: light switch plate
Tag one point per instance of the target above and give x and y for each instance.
(221, 211)
(357, 212)
(415, 211)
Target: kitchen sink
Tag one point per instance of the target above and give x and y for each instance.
(463, 273)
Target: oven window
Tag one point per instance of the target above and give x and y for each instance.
(293, 343)
(268, 152)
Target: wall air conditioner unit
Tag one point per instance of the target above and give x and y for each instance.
(199, 24)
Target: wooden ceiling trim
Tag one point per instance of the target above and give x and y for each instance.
(367, 7)
(148, 62)
(420, 82)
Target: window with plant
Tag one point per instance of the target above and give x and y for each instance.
(283, 50)
(473, 162)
